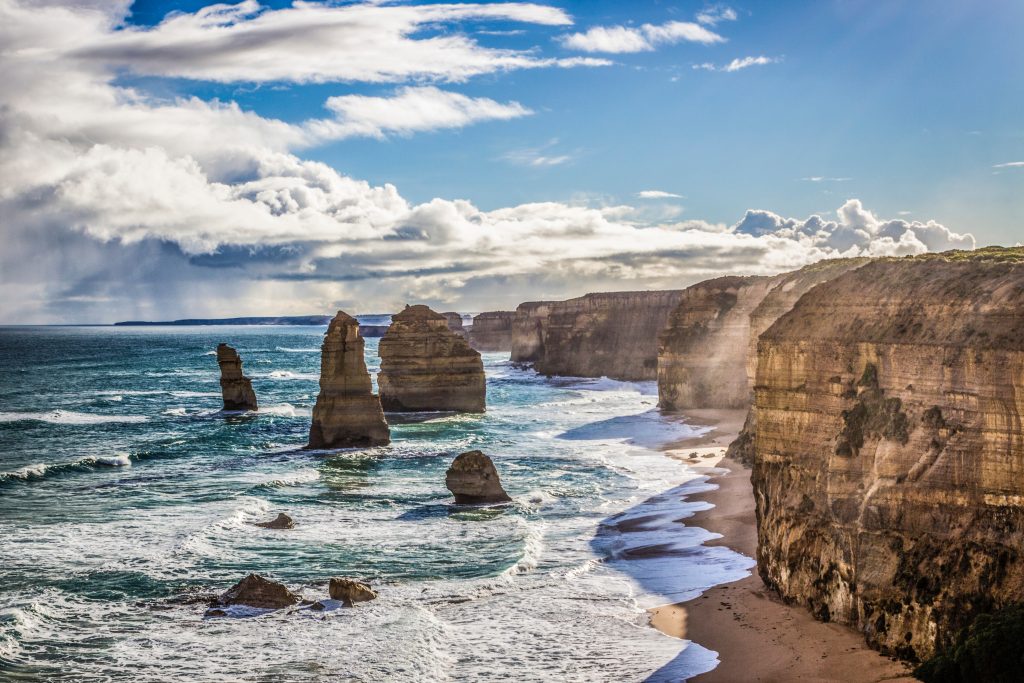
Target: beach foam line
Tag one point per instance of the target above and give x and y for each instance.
(69, 417)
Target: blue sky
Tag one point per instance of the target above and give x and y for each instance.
(913, 109)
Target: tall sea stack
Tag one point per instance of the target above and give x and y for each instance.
(234, 386)
(347, 413)
(424, 366)
(889, 453)
(492, 331)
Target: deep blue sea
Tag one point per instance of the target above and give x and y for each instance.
(123, 489)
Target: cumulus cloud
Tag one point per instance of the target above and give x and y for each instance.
(118, 204)
(623, 39)
(658, 194)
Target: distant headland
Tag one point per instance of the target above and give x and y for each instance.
(256, 320)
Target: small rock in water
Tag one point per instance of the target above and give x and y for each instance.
(349, 591)
(473, 480)
(318, 606)
(282, 521)
(216, 612)
(256, 591)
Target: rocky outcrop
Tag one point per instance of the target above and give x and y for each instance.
(424, 366)
(256, 591)
(612, 335)
(702, 352)
(282, 521)
(889, 451)
(350, 591)
(235, 387)
(473, 480)
(455, 324)
(347, 414)
(492, 331)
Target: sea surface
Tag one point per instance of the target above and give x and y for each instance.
(125, 493)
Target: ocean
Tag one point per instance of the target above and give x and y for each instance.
(124, 491)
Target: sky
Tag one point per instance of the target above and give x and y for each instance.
(163, 160)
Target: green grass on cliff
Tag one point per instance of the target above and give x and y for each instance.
(998, 254)
(990, 650)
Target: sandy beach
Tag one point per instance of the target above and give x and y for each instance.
(756, 635)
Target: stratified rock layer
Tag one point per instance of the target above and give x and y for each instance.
(347, 413)
(889, 451)
(424, 366)
(702, 352)
(235, 387)
(613, 334)
(492, 331)
(473, 480)
(455, 324)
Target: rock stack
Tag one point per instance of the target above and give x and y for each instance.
(455, 324)
(492, 331)
(234, 386)
(424, 366)
(473, 480)
(347, 413)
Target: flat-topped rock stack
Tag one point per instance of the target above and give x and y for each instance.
(492, 331)
(455, 324)
(347, 413)
(235, 387)
(424, 366)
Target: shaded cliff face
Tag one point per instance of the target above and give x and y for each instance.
(347, 414)
(612, 334)
(889, 450)
(454, 321)
(702, 352)
(235, 387)
(492, 331)
(424, 366)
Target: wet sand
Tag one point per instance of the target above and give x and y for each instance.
(756, 635)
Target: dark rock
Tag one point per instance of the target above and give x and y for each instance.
(235, 387)
(473, 480)
(282, 521)
(350, 591)
(256, 591)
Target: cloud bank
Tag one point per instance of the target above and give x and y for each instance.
(120, 204)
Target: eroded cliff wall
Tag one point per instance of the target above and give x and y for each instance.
(612, 334)
(889, 452)
(492, 331)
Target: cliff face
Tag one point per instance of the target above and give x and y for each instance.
(235, 387)
(889, 451)
(347, 414)
(454, 321)
(492, 331)
(612, 335)
(424, 366)
(702, 352)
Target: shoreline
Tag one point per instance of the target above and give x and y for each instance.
(756, 635)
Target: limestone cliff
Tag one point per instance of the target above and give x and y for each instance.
(454, 321)
(889, 452)
(613, 334)
(235, 387)
(492, 331)
(424, 366)
(347, 413)
(702, 352)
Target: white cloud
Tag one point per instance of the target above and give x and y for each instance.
(1010, 164)
(623, 39)
(824, 179)
(117, 204)
(657, 194)
(714, 15)
(538, 157)
(738, 64)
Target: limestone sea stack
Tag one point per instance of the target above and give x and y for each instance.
(473, 480)
(613, 334)
(889, 452)
(235, 387)
(455, 324)
(347, 413)
(424, 366)
(492, 331)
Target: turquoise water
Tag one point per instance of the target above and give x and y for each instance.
(124, 490)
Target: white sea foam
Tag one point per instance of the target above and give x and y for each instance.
(286, 410)
(116, 460)
(288, 374)
(195, 394)
(68, 417)
(292, 350)
(27, 472)
(176, 412)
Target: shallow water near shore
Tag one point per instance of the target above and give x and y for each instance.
(123, 488)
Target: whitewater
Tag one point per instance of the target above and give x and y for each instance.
(125, 493)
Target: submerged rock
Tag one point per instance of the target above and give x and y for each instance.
(282, 521)
(347, 413)
(234, 386)
(424, 366)
(350, 591)
(256, 591)
(473, 480)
